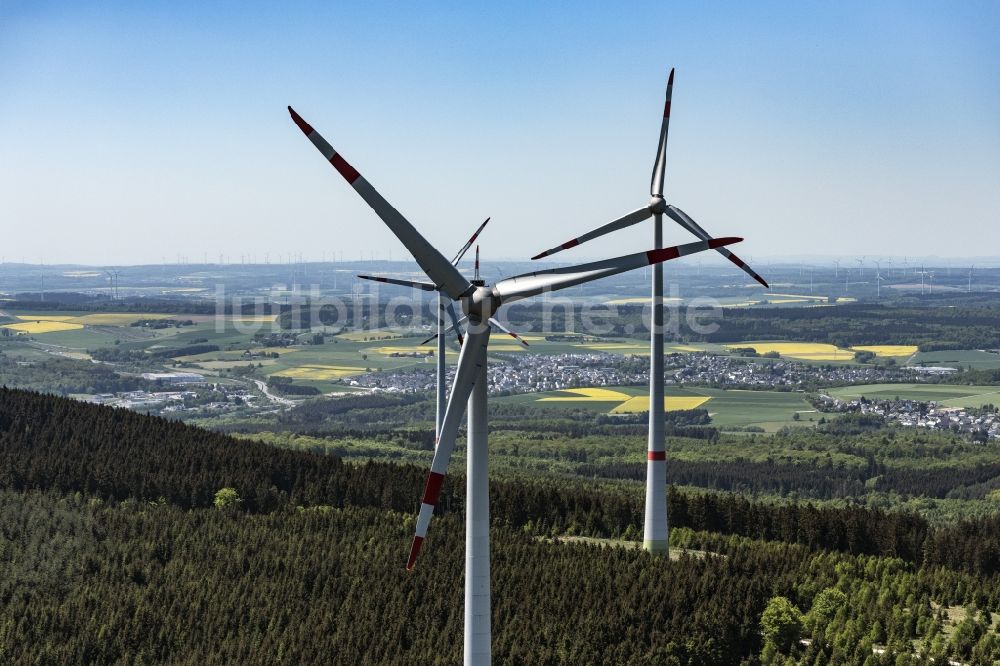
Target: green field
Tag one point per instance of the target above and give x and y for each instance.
(770, 410)
(946, 394)
(962, 358)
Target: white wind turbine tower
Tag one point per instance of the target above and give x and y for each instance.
(922, 274)
(655, 531)
(878, 284)
(861, 267)
(444, 305)
(479, 303)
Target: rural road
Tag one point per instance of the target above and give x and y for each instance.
(272, 397)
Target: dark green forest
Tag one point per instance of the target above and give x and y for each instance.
(116, 549)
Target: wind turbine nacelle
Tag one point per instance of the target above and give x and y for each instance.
(657, 205)
(481, 304)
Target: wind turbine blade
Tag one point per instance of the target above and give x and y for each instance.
(426, 286)
(634, 217)
(660, 165)
(465, 248)
(455, 323)
(444, 275)
(470, 362)
(685, 220)
(508, 331)
(532, 284)
(447, 330)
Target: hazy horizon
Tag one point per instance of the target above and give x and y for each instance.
(134, 133)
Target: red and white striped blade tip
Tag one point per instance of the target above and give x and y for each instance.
(749, 271)
(565, 246)
(418, 541)
(303, 125)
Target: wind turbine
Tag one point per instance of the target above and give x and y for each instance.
(878, 284)
(922, 274)
(861, 267)
(655, 531)
(479, 303)
(444, 305)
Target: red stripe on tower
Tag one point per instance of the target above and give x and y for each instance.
(656, 455)
(349, 173)
(433, 488)
(418, 541)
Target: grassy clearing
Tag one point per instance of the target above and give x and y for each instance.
(976, 359)
(888, 350)
(117, 318)
(368, 336)
(618, 348)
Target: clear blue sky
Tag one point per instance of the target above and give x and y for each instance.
(131, 131)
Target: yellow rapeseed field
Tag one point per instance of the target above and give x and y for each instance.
(640, 403)
(319, 372)
(508, 347)
(588, 395)
(888, 350)
(251, 319)
(389, 351)
(809, 351)
(37, 327)
(116, 318)
(45, 317)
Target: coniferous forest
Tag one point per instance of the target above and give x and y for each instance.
(132, 539)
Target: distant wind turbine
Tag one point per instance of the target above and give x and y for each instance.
(655, 529)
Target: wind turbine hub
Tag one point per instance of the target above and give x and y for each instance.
(481, 304)
(658, 205)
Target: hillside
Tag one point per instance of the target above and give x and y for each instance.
(113, 552)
